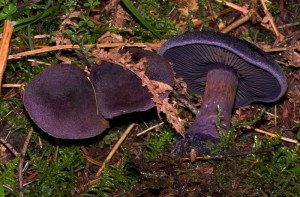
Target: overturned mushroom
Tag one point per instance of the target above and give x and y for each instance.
(61, 101)
(120, 91)
(229, 72)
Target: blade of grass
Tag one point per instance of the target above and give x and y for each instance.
(136, 13)
(22, 23)
(30, 41)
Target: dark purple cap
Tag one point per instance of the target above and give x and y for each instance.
(61, 101)
(120, 91)
(260, 77)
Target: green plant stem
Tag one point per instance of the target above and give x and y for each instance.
(136, 13)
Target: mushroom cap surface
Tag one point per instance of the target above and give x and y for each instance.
(260, 78)
(120, 91)
(61, 101)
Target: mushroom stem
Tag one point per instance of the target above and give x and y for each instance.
(220, 89)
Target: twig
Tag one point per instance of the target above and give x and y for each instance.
(270, 134)
(238, 182)
(149, 129)
(275, 117)
(39, 62)
(184, 101)
(93, 161)
(271, 19)
(197, 22)
(21, 162)
(6, 36)
(234, 6)
(10, 147)
(243, 153)
(41, 36)
(270, 114)
(288, 25)
(70, 46)
(89, 158)
(282, 49)
(244, 19)
(13, 85)
(236, 23)
(112, 152)
(85, 151)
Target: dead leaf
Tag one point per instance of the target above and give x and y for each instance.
(64, 59)
(155, 87)
(293, 58)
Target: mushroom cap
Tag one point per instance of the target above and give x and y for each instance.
(120, 91)
(260, 78)
(61, 101)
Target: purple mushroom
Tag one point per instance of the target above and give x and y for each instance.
(61, 101)
(228, 72)
(120, 91)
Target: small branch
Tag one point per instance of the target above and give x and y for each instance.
(22, 85)
(197, 22)
(89, 158)
(213, 157)
(244, 19)
(271, 19)
(270, 134)
(70, 46)
(234, 6)
(236, 23)
(288, 25)
(184, 101)
(39, 62)
(10, 147)
(4, 48)
(282, 49)
(149, 129)
(238, 182)
(115, 148)
(21, 162)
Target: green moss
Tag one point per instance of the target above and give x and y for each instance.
(117, 179)
(159, 143)
(275, 173)
(8, 177)
(56, 169)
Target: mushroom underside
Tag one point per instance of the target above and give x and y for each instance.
(252, 78)
(225, 78)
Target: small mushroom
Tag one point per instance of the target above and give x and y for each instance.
(229, 72)
(120, 91)
(61, 101)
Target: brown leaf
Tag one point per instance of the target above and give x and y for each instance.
(293, 58)
(161, 87)
(64, 59)
(155, 87)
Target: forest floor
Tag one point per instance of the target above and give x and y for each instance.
(263, 141)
